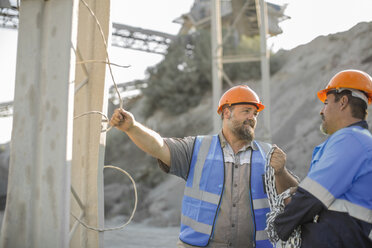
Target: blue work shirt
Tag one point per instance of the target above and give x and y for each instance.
(337, 190)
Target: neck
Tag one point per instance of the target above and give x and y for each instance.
(345, 122)
(351, 121)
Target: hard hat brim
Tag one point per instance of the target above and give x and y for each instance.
(322, 95)
(259, 106)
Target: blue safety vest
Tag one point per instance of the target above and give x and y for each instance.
(204, 189)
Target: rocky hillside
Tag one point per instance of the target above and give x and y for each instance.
(295, 124)
(307, 69)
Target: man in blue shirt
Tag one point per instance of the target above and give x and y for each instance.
(333, 204)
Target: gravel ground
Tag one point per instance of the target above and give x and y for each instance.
(137, 235)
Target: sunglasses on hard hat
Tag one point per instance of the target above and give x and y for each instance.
(355, 93)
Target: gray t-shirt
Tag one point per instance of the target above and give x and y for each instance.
(234, 224)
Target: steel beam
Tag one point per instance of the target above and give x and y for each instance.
(146, 40)
(9, 18)
(123, 36)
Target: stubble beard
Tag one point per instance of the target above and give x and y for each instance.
(323, 126)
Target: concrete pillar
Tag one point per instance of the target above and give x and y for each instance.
(38, 201)
(217, 67)
(88, 141)
(265, 68)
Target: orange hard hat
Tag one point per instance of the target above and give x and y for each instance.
(349, 79)
(240, 94)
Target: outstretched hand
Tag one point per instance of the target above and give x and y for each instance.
(278, 159)
(122, 120)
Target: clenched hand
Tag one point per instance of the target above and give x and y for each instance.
(122, 120)
(278, 160)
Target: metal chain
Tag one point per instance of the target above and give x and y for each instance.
(276, 207)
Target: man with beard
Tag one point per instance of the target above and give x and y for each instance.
(333, 204)
(224, 203)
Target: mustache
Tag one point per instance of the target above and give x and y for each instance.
(250, 122)
(322, 117)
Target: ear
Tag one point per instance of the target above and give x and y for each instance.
(344, 101)
(226, 113)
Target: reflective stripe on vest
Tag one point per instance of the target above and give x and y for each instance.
(260, 202)
(203, 192)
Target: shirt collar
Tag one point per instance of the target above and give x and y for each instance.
(362, 124)
(224, 143)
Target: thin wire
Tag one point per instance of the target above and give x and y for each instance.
(78, 55)
(102, 61)
(107, 56)
(130, 218)
(107, 120)
(100, 113)
(93, 112)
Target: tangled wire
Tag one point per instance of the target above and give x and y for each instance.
(106, 120)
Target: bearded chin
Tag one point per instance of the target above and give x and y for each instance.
(245, 133)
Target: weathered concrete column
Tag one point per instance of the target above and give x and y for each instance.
(88, 141)
(265, 67)
(38, 201)
(217, 67)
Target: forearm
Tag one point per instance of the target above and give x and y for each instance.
(302, 209)
(284, 180)
(149, 141)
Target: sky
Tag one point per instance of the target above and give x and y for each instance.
(309, 19)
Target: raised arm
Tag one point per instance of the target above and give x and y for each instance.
(146, 139)
(283, 179)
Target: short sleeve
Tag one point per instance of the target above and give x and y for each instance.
(181, 154)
